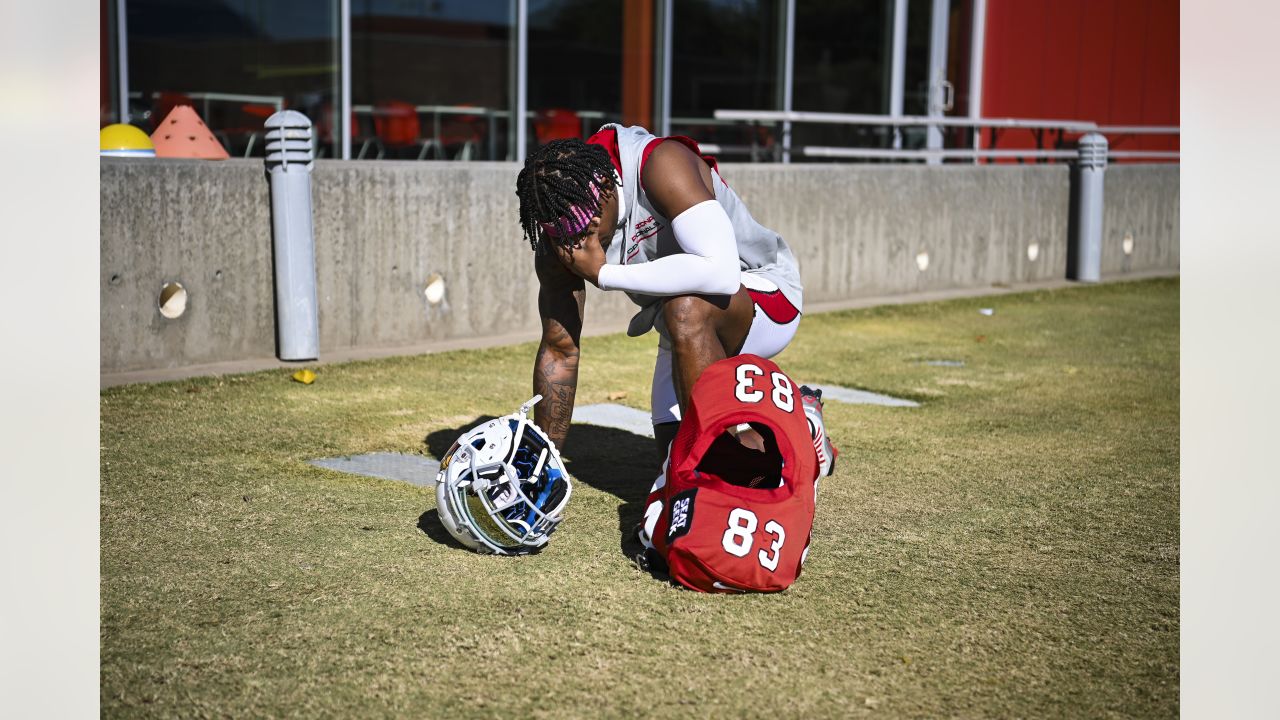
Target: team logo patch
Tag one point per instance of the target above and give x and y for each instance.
(681, 514)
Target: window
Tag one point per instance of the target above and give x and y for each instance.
(432, 79)
(844, 64)
(236, 62)
(575, 67)
(726, 55)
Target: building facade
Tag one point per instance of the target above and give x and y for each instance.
(443, 79)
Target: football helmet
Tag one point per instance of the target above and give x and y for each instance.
(502, 487)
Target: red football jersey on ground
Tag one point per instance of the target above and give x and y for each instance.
(716, 533)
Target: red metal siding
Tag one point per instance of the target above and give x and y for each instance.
(1114, 62)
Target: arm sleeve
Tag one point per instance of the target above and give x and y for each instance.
(708, 265)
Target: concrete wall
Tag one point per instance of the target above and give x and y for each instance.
(204, 225)
(382, 229)
(857, 229)
(1141, 202)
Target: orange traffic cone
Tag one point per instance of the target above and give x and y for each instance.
(183, 134)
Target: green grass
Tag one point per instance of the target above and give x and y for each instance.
(1009, 549)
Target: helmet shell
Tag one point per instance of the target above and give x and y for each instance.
(502, 487)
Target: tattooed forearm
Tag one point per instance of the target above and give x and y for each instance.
(561, 300)
(555, 378)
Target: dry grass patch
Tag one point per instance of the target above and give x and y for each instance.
(1010, 549)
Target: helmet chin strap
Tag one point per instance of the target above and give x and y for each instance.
(525, 408)
(519, 431)
(537, 469)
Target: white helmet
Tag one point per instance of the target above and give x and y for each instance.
(502, 487)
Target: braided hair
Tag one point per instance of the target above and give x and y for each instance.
(557, 177)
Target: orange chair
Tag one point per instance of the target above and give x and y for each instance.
(556, 124)
(326, 132)
(465, 132)
(249, 119)
(397, 128)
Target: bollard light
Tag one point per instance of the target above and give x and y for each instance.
(1087, 243)
(290, 157)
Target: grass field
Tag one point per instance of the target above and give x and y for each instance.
(1009, 549)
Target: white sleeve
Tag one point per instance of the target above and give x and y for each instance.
(708, 265)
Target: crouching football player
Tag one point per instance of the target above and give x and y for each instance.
(652, 217)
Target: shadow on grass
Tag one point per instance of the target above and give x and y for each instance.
(429, 523)
(614, 461)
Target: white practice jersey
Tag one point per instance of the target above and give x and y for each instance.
(643, 234)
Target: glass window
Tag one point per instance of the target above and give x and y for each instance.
(726, 56)
(108, 103)
(575, 67)
(915, 96)
(842, 55)
(236, 62)
(844, 64)
(432, 79)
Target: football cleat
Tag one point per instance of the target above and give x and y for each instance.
(811, 399)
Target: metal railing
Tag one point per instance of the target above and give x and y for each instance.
(774, 117)
(1139, 130)
(205, 98)
(892, 154)
(901, 120)
(589, 119)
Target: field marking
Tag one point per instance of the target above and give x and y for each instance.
(861, 397)
(638, 422)
(421, 470)
(414, 469)
(616, 416)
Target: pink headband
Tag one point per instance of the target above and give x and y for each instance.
(579, 217)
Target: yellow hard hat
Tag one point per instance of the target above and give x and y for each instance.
(120, 140)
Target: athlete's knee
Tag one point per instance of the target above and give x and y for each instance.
(687, 317)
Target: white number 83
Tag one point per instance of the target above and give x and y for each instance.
(739, 538)
(746, 392)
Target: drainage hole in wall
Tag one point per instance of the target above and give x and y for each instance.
(173, 300)
(217, 274)
(115, 280)
(435, 288)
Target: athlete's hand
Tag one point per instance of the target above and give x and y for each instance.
(584, 257)
(749, 437)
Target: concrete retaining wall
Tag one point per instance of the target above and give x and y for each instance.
(382, 229)
(859, 230)
(204, 225)
(1141, 202)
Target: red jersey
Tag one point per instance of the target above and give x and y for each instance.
(724, 517)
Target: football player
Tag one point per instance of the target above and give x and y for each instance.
(652, 217)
